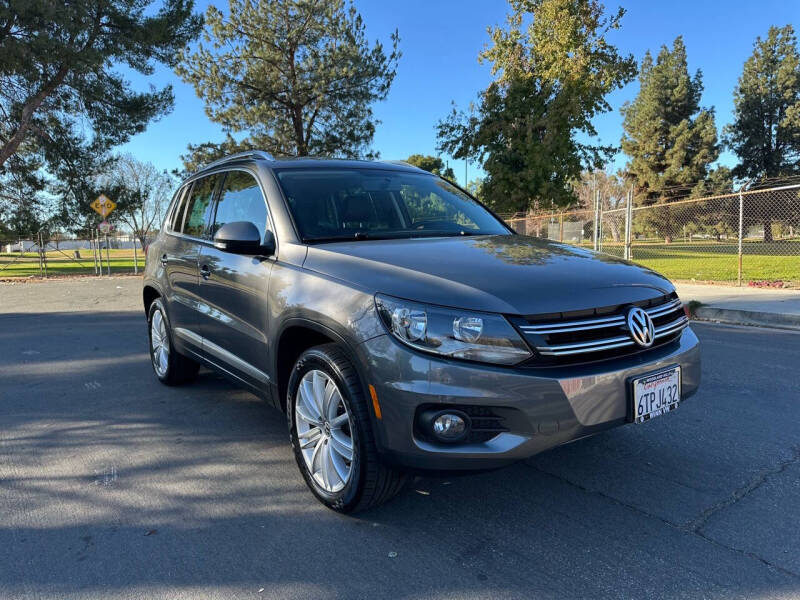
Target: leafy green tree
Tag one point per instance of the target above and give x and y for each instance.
(475, 187)
(297, 77)
(765, 133)
(432, 164)
(553, 68)
(56, 74)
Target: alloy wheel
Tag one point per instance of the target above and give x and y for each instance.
(324, 431)
(159, 342)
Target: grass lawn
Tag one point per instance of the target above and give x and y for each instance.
(719, 262)
(13, 264)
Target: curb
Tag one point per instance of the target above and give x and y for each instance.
(748, 317)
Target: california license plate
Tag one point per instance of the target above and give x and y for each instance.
(656, 394)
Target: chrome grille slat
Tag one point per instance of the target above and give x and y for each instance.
(588, 324)
(586, 345)
(608, 340)
(584, 351)
(671, 327)
(573, 326)
(662, 310)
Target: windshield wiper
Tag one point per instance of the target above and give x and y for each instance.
(357, 236)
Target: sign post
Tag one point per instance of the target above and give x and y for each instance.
(104, 206)
(108, 258)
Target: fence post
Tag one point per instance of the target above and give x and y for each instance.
(741, 231)
(561, 227)
(596, 219)
(135, 258)
(93, 243)
(44, 255)
(39, 243)
(628, 223)
(108, 257)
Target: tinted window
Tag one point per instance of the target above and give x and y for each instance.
(241, 200)
(199, 206)
(340, 203)
(180, 204)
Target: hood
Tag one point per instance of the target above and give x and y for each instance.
(510, 274)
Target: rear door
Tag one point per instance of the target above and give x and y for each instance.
(234, 287)
(180, 256)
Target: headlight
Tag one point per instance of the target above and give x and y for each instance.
(451, 332)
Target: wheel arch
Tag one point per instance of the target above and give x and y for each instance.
(295, 337)
(149, 293)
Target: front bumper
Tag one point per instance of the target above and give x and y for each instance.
(555, 405)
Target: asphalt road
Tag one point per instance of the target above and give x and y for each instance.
(113, 486)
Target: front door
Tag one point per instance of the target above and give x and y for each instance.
(234, 287)
(180, 256)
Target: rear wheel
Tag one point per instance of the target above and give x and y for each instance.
(332, 436)
(170, 367)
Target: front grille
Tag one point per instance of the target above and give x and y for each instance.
(578, 337)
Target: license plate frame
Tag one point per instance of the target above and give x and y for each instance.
(661, 378)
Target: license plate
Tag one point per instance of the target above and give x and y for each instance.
(656, 394)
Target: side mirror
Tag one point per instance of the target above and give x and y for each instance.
(243, 237)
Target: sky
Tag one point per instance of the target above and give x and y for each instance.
(440, 41)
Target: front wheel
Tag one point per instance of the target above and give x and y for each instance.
(332, 436)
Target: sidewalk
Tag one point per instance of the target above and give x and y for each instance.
(744, 305)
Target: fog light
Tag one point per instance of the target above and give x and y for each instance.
(449, 426)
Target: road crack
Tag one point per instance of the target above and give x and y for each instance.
(695, 527)
(697, 524)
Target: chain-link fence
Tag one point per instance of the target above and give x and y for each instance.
(45, 254)
(750, 236)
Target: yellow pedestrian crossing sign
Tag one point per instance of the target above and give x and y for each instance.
(103, 205)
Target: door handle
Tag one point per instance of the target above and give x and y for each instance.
(164, 260)
(205, 272)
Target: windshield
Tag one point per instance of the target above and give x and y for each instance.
(346, 204)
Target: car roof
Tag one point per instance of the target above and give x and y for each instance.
(305, 162)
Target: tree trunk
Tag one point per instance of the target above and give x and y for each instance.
(768, 231)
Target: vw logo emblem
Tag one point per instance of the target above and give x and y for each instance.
(641, 328)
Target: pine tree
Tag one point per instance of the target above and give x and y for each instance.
(670, 139)
(296, 77)
(765, 134)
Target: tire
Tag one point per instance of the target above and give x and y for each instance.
(170, 367)
(369, 482)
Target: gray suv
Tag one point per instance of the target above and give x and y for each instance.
(400, 325)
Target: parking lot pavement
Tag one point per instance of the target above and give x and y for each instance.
(113, 486)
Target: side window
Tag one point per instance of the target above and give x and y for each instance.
(199, 206)
(176, 219)
(241, 200)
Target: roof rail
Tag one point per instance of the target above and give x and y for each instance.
(240, 156)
